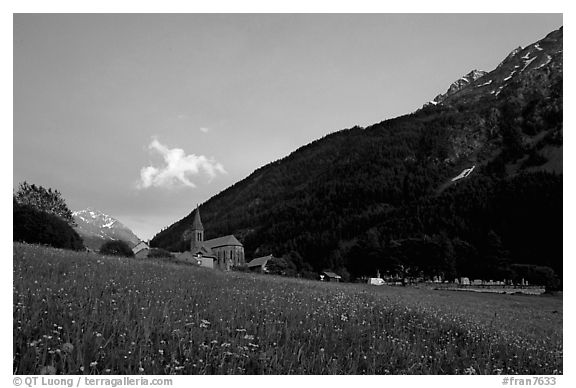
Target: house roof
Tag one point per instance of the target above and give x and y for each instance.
(222, 241)
(259, 261)
(197, 223)
(140, 246)
(332, 275)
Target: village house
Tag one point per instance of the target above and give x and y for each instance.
(331, 276)
(221, 252)
(141, 250)
(259, 263)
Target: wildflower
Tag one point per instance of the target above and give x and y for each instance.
(248, 337)
(470, 371)
(68, 347)
(93, 364)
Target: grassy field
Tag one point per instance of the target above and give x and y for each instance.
(83, 313)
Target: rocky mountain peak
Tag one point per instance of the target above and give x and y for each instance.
(458, 85)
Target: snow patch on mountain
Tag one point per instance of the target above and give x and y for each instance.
(510, 76)
(512, 54)
(464, 174)
(527, 63)
(485, 83)
(548, 60)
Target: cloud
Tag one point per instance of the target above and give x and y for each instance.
(178, 168)
(204, 129)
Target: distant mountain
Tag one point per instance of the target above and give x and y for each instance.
(95, 228)
(470, 185)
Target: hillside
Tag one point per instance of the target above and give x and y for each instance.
(384, 197)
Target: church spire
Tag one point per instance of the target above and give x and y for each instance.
(197, 223)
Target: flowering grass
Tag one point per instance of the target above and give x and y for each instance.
(79, 313)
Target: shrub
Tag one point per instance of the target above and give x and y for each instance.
(241, 268)
(116, 248)
(35, 226)
(159, 253)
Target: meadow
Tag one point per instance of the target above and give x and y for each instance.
(82, 313)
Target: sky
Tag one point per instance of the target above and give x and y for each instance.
(143, 116)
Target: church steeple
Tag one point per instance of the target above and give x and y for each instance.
(197, 223)
(197, 232)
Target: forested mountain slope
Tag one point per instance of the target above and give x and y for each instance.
(385, 197)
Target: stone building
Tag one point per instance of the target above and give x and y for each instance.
(225, 251)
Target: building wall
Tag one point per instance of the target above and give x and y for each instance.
(141, 254)
(206, 262)
(228, 256)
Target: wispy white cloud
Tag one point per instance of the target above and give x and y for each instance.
(179, 168)
(204, 129)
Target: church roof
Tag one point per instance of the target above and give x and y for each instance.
(222, 241)
(204, 250)
(197, 223)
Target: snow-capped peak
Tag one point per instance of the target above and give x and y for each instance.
(93, 224)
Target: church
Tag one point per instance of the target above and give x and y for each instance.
(220, 252)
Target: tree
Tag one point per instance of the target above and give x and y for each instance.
(537, 275)
(49, 201)
(116, 248)
(496, 257)
(281, 266)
